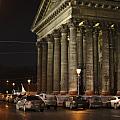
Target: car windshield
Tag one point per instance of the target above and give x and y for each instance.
(33, 98)
(50, 97)
(118, 97)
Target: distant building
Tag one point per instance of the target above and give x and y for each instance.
(81, 34)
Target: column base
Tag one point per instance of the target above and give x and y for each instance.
(118, 93)
(63, 92)
(105, 93)
(72, 92)
(89, 92)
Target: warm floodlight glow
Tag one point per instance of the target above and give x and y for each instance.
(81, 23)
(78, 71)
(29, 81)
(97, 24)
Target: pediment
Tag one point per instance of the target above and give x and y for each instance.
(45, 8)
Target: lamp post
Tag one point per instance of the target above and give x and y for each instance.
(7, 86)
(29, 85)
(78, 82)
(13, 88)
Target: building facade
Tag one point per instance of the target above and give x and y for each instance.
(76, 34)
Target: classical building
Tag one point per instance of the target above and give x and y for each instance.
(81, 34)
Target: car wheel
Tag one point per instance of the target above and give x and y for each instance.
(90, 106)
(55, 107)
(17, 107)
(24, 108)
(48, 107)
(41, 110)
(71, 106)
(115, 106)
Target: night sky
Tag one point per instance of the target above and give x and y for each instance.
(17, 42)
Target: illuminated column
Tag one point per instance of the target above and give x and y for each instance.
(112, 61)
(118, 60)
(80, 37)
(57, 62)
(44, 66)
(95, 58)
(50, 64)
(105, 60)
(89, 60)
(72, 59)
(64, 60)
(39, 67)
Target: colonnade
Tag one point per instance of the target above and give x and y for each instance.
(92, 46)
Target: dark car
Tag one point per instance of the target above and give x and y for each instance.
(76, 102)
(94, 101)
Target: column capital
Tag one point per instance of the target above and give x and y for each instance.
(56, 33)
(104, 25)
(81, 29)
(88, 24)
(72, 23)
(118, 27)
(64, 28)
(96, 31)
(44, 42)
(38, 44)
(49, 38)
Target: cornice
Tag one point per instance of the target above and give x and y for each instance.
(62, 6)
(102, 4)
(96, 4)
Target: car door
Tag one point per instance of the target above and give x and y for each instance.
(21, 102)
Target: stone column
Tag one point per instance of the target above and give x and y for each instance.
(57, 62)
(64, 60)
(118, 60)
(80, 35)
(39, 67)
(105, 60)
(84, 59)
(95, 59)
(72, 59)
(50, 64)
(44, 66)
(112, 51)
(89, 60)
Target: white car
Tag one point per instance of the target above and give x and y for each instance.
(30, 102)
(115, 102)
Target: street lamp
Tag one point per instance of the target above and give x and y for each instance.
(13, 88)
(78, 82)
(7, 86)
(29, 85)
(7, 81)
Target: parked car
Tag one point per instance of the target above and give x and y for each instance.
(94, 101)
(61, 99)
(106, 101)
(30, 102)
(114, 102)
(49, 100)
(11, 98)
(17, 98)
(76, 102)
